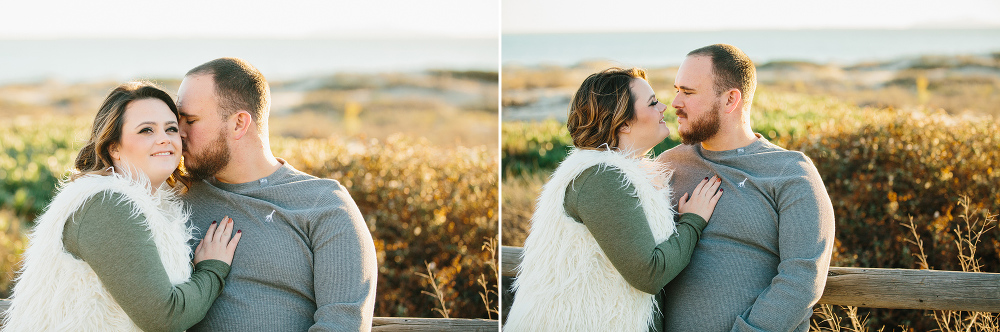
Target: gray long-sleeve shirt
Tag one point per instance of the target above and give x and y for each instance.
(762, 262)
(306, 260)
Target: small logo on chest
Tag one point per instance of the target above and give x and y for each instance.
(270, 217)
(742, 183)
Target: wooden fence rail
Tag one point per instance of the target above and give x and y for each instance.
(883, 288)
(400, 324)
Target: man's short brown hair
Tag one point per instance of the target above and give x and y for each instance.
(239, 86)
(731, 69)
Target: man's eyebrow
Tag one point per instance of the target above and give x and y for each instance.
(683, 88)
(184, 114)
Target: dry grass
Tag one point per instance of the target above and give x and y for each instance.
(437, 294)
(519, 196)
(969, 232)
(827, 318)
(489, 284)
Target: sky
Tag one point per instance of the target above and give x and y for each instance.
(533, 16)
(46, 19)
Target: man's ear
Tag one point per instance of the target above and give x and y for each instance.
(242, 122)
(733, 98)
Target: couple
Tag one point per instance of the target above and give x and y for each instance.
(605, 253)
(112, 252)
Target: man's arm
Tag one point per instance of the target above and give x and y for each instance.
(344, 268)
(805, 243)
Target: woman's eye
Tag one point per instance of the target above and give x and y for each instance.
(172, 129)
(146, 130)
(655, 101)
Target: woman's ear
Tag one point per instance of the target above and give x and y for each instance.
(113, 150)
(624, 129)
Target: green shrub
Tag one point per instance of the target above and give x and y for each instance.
(421, 203)
(884, 172)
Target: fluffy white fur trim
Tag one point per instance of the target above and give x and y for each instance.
(57, 292)
(565, 281)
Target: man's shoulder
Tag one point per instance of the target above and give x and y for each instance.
(680, 158)
(308, 185)
(680, 149)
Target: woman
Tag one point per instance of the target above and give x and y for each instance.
(603, 241)
(111, 251)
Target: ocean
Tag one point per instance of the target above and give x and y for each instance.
(662, 49)
(77, 60)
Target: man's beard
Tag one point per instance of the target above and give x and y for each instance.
(211, 161)
(704, 128)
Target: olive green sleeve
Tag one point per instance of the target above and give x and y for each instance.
(121, 251)
(598, 199)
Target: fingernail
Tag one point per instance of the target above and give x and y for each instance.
(213, 222)
(239, 231)
(722, 189)
(706, 178)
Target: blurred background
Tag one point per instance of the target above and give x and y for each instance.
(395, 99)
(894, 101)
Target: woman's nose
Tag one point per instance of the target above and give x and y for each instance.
(163, 138)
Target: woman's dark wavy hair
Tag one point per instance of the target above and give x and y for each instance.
(95, 157)
(603, 104)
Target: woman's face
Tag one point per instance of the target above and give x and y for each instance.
(647, 128)
(150, 141)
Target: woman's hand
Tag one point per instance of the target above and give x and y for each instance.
(217, 243)
(702, 201)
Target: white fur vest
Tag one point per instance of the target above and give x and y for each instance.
(565, 282)
(57, 292)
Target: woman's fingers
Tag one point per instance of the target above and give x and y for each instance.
(227, 232)
(701, 186)
(714, 186)
(716, 197)
(708, 186)
(231, 247)
(217, 236)
(210, 234)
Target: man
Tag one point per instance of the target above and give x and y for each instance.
(762, 262)
(306, 260)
